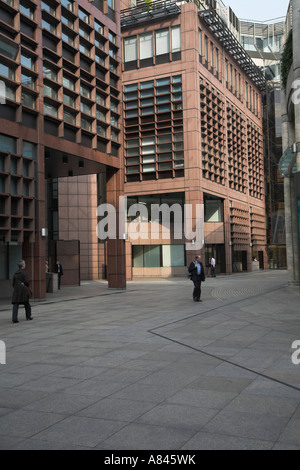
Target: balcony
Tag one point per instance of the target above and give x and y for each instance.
(148, 11)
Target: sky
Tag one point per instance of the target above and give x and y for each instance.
(261, 10)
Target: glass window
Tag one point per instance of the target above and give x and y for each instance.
(83, 15)
(7, 144)
(68, 4)
(26, 10)
(152, 256)
(112, 37)
(48, 8)
(49, 73)
(83, 32)
(85, 91)
(99, 27)
(69, 100)
(146, 46)
(85, 108)
(70, 117)
(7, 71)
(29, 150)
(50, 91)
(132, 87)
(130, 51)
(9, 49)
(49, 26)
(213, 210)
(50, 109)
(68, 83)
(147, 84)
(173, 255)
(68, 39)
(27, 61)
(176, 41)
(28, 100)
(162, 42)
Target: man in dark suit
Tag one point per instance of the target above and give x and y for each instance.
(59, 270)
(197, 272)
(21, 292)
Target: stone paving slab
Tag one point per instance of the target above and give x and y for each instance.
(148, 368)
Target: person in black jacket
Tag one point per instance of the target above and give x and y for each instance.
(21, 292)
(59, 270)
(197, 272)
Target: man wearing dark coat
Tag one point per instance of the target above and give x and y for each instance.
(21, 292)
(196, 270)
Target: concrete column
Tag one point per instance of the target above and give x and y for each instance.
(296, 70)
(291, 228)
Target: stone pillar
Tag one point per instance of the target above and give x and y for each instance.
(116, 258)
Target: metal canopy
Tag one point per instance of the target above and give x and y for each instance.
(148, 11)
(233, 46)
(287, 164)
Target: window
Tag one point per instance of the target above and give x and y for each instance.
(176, 41)
(162, 42)
(7, 144)
(85, 108)
(50, 109)
(7, 71)
(27, 61)
(69, 100)
(156, 256)
(130, 50)
(28, 100)
(68, 4)
(9, 49)
(26, 10)
(68, 39)
(83, 15)
(50, 73)
(48, 8)
(70, 117)
(200, 42)
(50, 91)
(85, 91)
(213, 210)
(29, 150)
(68, 82)
(49, 26)
(99, 27)
(146, 46)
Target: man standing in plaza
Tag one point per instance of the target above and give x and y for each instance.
(213, 267)
(59, 270)
(196, 270)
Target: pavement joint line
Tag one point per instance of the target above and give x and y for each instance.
(154, 332)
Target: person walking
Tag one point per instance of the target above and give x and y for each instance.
(213, 266)
(197, 272)
(59, 270)
(21, 293)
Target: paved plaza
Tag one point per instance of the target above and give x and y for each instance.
(148, 368)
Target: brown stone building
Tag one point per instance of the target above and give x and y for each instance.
(60, 117)
(192, 135)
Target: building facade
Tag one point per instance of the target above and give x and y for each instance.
(192, 135)
(263, 41)
(289, 164)
(59, 117)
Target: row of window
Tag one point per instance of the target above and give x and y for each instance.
(145, 46)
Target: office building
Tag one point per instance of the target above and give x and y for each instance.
(192, 135)
(59, 117)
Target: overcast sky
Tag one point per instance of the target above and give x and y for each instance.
(261, 10)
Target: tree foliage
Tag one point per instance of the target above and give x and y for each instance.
(286, 59)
